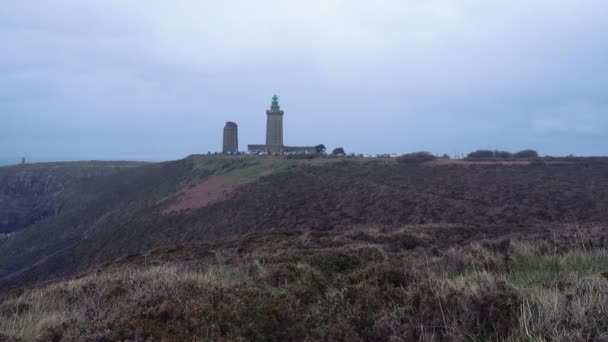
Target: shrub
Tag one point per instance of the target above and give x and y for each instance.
(338, 150)
(503, 154)
(416, 158)
(486, 311)
(481, 154)
(484, 154)
(527, 154)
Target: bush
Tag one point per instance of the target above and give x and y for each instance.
(526, 154)
(338, 150)
(416, 158)
(486, 154)
(320, 148)
(481, 154)
(503, 154)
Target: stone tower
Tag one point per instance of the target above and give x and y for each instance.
(231, 138)
(274, 124)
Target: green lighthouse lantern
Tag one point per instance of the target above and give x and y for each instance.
(275, 102)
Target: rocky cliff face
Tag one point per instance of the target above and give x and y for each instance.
(32, 193)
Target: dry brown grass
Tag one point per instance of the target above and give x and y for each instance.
(369, 284)
(92, 297)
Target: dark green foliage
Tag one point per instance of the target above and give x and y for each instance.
(416, 158)
(526, 154)
(487, 154)
(481, 154)
(503, 154)
(338, 150)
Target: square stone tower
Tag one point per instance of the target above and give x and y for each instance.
(231, 138)
(274, 124)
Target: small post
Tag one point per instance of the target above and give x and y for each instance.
(22, 160)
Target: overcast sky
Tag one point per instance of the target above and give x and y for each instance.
(152, 80)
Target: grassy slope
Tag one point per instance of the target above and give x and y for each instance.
(126, 215)
(363, 283)
(101, 214)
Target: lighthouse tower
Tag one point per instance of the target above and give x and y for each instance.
(274, 134)
(231, 138)
(274, 125)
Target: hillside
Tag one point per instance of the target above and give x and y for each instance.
(33, 192)
(428, 283)
(302, 232)
(101, 215)
(207, 197)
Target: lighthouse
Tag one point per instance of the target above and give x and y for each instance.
(274, 125)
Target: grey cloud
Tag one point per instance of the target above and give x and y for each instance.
(157, 79)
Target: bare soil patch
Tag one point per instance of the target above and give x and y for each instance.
(204, 194)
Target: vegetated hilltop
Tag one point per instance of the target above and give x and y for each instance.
(33, 192)
(364, 283)
(206, 197)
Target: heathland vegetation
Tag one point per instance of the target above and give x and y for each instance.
(365, 283)
(248, 248)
